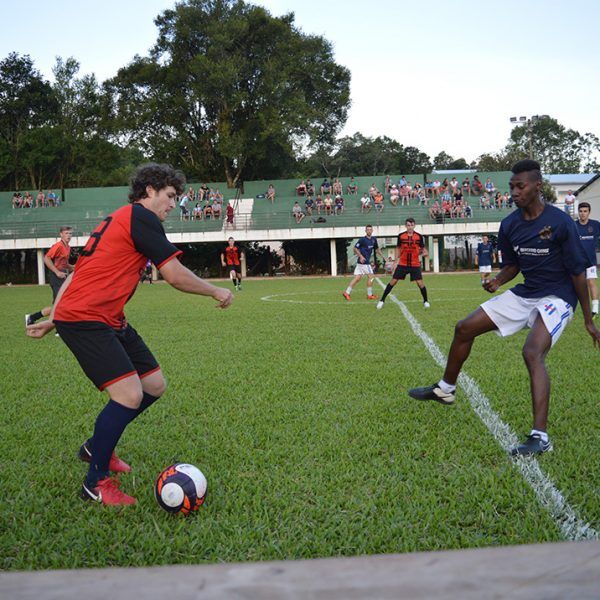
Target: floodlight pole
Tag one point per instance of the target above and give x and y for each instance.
(528, 121)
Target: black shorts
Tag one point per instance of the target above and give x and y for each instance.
(401, 272)
(236, 268)
(107, 355)
(55, 284)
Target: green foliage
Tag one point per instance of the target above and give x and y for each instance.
(303, 459)
(228, 89)
(443, 161)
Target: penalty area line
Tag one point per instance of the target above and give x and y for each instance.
(571, 526)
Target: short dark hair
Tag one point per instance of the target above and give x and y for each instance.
(585, 205)
(371, 226)
(156, 176)
(528, 166)
(69, 228)
(409, 220)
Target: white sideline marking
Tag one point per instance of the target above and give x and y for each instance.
(570, 524)
(339, 301)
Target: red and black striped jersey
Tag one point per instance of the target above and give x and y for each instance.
(410, 246)
(232, 255)
(109, 266)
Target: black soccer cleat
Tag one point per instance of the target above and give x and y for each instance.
(432, 392)
(29, 320)
(534, 444)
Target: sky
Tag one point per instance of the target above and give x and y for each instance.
(433, 74)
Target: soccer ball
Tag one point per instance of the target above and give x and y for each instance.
(180, 488)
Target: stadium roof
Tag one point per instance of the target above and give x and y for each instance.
(588, 183)
(575, 179)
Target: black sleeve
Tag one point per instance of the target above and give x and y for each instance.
(149, 236)
(421, 241)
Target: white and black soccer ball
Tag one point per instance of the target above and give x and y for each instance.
(180, 488)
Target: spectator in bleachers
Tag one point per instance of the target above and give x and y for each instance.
(51, 198)
(466, 187)
(415, 189)
(428, 188)
(484, 202)
(27, 200)
(40, 199)
(435, 212)
(447, 208)
(328, 204)
(301, 188)
(297, 212)
(489, 186)
(203, 192)
(270, 195)
(445, 186)
(197, 212)
(467, 209)
(308, 205)
(454, 185)
(216, 209)
(422, 197)
(387, 185)
(352, 188)
(339, 204)
(183, 207)
(229, 213)
(394, 195)
(191, 194)
(319, 204)
(498, 200)
(435, 187)
(404, 195)
(325, 187)
(476, 186)
(402, 181)
(372, 191)
(310, 188)
(219, 196)
(336, 188)
(17, 200)
(378, 202)
(207, 210)
(365, 203)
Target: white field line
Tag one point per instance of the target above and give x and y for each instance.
(549, 496)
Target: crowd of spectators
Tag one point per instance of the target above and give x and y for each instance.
(203, 205)
(447, 198)
(41, 200)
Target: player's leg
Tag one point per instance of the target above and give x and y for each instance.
(593, 287)
(388, 288)
(232, 276)
(422, 288)
(238, 272)
(55, 285)
(536, 347)
(465, 332)
(357, 278)
(370, 295)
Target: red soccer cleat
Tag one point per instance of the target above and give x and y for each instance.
(107, 492)
(116, 465)
(372, 297)
(346, 295)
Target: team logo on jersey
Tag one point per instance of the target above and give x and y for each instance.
(546, 232)
(590, 229)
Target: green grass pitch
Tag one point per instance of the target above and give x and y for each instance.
(296, 410)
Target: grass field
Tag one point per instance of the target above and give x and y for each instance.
(296, 410)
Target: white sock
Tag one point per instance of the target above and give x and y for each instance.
(369, 291)
(542, 434)
(446, 387)
(348, 290)
(595, 306)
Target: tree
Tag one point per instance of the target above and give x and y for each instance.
(444, 162)
(226, 87)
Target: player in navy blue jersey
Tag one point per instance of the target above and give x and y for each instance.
(589, 234)
(484, 257)
(542, 243)
(363, 250)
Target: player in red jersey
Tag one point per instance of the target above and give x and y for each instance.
(88, 314)
(57, 261)
(410, 247)
(231, 259)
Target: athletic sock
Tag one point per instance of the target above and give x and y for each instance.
(388, 289)
(594, 306)
(36, 316)
(424, 293)
(348, 290)
(110, 424)
(447, 388)
(542, 434)
(369, 291)
(146, 402)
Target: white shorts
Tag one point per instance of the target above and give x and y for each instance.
(511, 313)
(591, 273)
(363, 269)
(485, 269)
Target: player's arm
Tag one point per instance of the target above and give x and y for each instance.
(223, 259)
(48, 262)
(423, 248)
(360, 256)
(506, 274)
(41, 328)
(581, 289)
(181, 278)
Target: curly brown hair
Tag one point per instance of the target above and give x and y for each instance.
(156, 176)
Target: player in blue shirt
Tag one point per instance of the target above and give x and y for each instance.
(484, 257)
(363, 250)
(589, 234)
(541, 242)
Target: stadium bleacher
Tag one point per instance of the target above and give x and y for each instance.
(83, 208)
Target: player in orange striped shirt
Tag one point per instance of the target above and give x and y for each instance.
(409, 249)
(57, 260)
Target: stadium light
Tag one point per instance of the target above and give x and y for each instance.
(529, 122)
